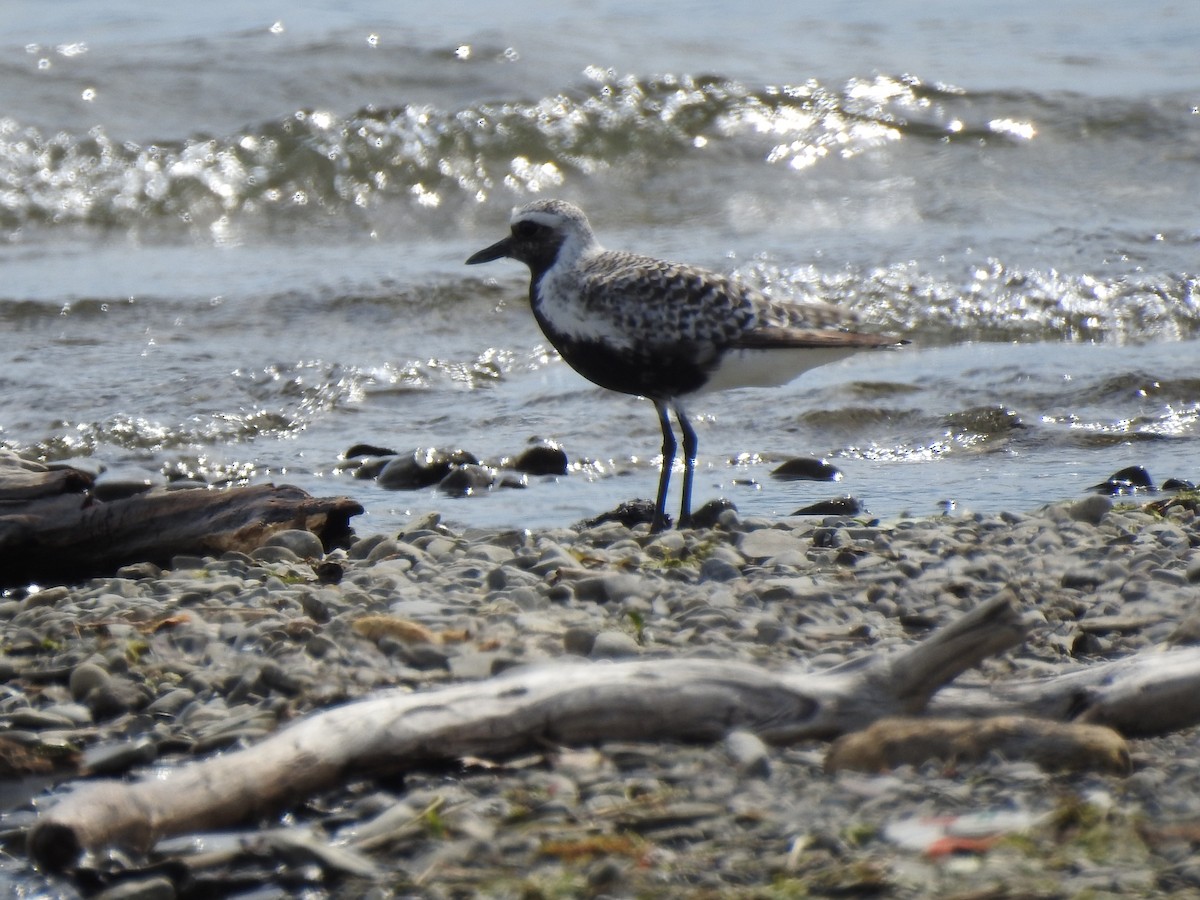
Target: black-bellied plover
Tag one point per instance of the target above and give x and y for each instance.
(661, 330)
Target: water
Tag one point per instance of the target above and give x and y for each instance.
(234, 239)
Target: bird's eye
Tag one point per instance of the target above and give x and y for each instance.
(527, 229)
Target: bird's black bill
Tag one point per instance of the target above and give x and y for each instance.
(498, 250)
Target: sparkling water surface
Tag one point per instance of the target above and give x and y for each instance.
(234, 239)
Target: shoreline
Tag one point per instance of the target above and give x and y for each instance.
(160, 666)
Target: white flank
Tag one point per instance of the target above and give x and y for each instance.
(770, 368)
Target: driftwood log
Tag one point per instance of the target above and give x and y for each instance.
(532, 709)
(1146, 695)
(52, 528)
(519, 711)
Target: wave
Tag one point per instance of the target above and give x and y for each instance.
(313, 164)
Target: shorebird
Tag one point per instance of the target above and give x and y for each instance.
(662, 330)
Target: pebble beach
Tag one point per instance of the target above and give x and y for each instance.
(154, 667)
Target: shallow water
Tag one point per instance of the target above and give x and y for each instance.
(234, 244)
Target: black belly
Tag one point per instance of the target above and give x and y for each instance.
(660, 374)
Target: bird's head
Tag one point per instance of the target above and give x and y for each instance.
(541, 233)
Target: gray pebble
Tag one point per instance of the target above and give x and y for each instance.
(614, 645)
(47, 597)
(1091, 509)
(86, 678)
(607, 588)
(139, 570)
(715, 569)
(768, 542)
(274, 555)
(749, 754)
(119, 756)
(579, 640)
(304, 544)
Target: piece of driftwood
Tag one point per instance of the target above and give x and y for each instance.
(519, 711)
(1145, 695)
(53, 530)
(1056, 746)
(22, 481)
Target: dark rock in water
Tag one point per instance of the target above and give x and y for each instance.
(804, 468)
(984, 420)
(367, 450)
(709, 514)
(541, 459)
(371, 467)
(1177, 484)
(629, 514)
(466, 479)
(516, 481)
(108, 489)
(422, 467)
(1129, 480)
(839, 506)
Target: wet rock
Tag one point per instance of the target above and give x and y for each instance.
(107, 490)
(359, 450)
(1177, 484)
(304, 544)
(840, 506)
(371, 467)
(630, 513)
(541, 459)
(1129, 480)
(804, 468)
(712, 513)
(422, 467)
(464, 480)
(989, 421)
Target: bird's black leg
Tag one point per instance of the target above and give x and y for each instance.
(668, 462)
(690, 444)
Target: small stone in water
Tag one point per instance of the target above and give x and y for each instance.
(629, 514)
(541, 459)
(840, 506)
(465, 480)
(1126, 481)
(709, 515)
(804, 468)
(367, 450)
(422, 468)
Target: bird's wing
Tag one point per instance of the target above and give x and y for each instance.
(799, 338)
(655, 301)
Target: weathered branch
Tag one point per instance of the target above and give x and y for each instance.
(566, 703)
(1139, 696)
(69, 536)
